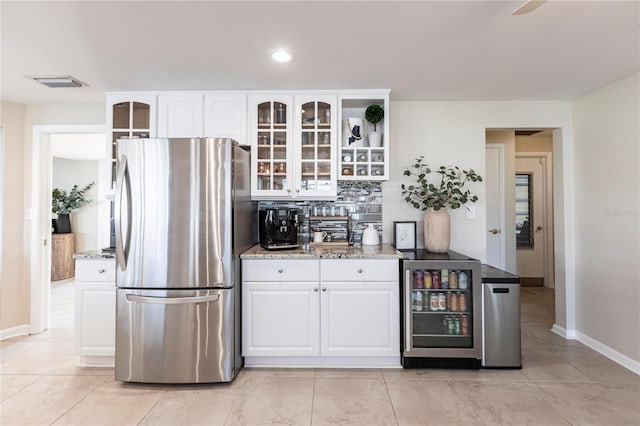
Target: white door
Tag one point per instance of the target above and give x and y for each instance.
(280, 319)
(531, 261)
(360, 319)
(494, 180)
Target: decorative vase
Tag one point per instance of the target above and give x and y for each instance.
(437, 230)
(63, 224)
(375, 139)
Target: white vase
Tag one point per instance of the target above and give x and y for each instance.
(375, 139)
(437, 230)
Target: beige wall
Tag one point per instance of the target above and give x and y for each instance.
(14, 286)
(18, 121)
(607, 224)
(508, 138)
(534, 143)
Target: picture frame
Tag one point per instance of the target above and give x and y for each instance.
(404, 235)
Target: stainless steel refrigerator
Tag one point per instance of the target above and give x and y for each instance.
(183, 215)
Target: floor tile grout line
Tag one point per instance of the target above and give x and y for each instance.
(393, 408)
(164, 391)
(22, 389)
(79, 401)
(313, 395)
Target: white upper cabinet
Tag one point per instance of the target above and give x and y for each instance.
(294, 146)
(180, 115)
(225, 116)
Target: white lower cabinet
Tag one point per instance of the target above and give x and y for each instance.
(295, 317)
(95, 312)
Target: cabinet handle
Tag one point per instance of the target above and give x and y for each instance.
(360, 270)
(289, 190)
(101, 271)
(280, 270)
(315, 289)
(324, 289)
(298, 191)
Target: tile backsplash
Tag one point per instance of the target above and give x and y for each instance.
(358, 204)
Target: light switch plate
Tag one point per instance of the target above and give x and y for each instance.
(471, 212)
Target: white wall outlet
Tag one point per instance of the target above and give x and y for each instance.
(471, 212)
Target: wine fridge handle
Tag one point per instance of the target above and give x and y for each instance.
(407, 310)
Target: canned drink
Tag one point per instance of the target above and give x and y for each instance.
(455, 297)
(442, 302)
(453, 279)
(433, 301)
(456, 325)
(463, 280)
(451, 326)
(449, 297)
(464, 324)
(427, 280)
(462, 302)
(435, 279)
(444, 276)
(418, 279)
(417, 301)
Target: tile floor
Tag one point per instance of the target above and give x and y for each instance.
(562, 383)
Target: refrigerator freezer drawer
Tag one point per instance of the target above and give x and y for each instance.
(175, 336)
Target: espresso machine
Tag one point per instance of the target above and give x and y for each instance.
(278, 228)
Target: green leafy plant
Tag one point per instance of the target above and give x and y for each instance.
(450, 191)
(374, 114)
(63, 202)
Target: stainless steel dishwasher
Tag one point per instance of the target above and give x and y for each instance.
(501, 344)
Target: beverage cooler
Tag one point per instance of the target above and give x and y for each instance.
(442, 310)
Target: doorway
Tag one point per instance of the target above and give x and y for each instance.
(42, 166)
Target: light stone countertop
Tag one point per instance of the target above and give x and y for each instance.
(93, 255)
(381, 251)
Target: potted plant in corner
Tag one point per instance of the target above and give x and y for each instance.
(63, 203)
(374, 114)
(434, 198)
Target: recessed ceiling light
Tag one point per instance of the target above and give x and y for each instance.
(58, 81)
(281, 55)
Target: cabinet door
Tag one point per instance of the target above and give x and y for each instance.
(180, 116)
(272, 147)
(315, 146)
(360, 319)
(95, 318)
(280, 319)
(225, 116)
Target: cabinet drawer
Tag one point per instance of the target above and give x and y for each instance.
(96, 270)
(280, 270)
(359, 269)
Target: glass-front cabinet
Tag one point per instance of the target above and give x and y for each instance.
(293, 139)
(129, 116)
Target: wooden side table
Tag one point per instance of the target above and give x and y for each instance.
(62, 248)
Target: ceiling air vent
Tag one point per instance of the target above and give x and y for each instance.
(58, 81)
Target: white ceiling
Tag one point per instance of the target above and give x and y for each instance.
(421, 50)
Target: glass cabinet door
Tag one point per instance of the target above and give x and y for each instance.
(272, 146)
(316, 160)
(130, 119)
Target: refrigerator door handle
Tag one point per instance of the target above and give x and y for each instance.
(408, 307)
(172, 300)
(122, 248)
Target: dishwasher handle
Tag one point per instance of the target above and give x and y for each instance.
(500, 290)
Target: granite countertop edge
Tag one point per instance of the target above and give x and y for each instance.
(381, 251)
(93, 255)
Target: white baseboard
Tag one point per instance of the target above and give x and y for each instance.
(19, 330)
(562, 332)
(612, 354)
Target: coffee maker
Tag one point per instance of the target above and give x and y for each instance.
(278, 228)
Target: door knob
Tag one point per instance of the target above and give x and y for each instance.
(494, 231)
(538, 228)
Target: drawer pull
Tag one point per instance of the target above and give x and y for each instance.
(360, 270)
(102, 271)
(280, 270)
(324, 289)
(315, 289)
